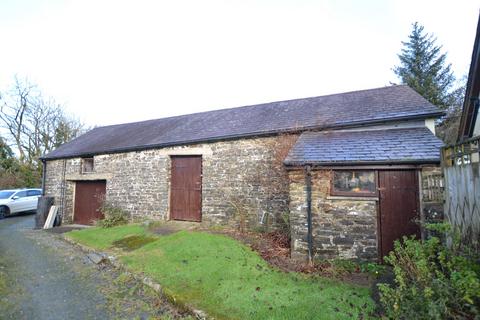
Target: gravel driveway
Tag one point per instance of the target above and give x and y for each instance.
(49, 278)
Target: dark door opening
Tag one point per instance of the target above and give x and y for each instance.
(186, 188)
(398, 207)
(89, 196)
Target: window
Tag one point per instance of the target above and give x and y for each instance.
(87, 165)
(5, 194)
(21, 194)
(32, 193)
(354, 183)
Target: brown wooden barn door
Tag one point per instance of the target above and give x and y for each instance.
(186, 188)
(89, 196)
(398, 207)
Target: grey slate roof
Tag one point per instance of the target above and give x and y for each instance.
(392, 146)
(358, 107)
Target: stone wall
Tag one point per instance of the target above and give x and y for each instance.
(246, 174)
(53, 181)
(342, 227)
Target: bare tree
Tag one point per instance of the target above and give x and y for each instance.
(35, 124)
(12, 113)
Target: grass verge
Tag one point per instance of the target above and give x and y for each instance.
(8, 289)
(3, 280)
(228, 280)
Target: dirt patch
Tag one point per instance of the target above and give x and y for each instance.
(168, 227)
(63, 229)
(330, 270)
(162, 230)
(131, 243)
(274, 246)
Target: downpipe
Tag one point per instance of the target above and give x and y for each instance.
(44, 171)
(308, 184)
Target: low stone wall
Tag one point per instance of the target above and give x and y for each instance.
(342, 227)
(244, 175)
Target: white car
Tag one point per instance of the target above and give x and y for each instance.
(18, 200)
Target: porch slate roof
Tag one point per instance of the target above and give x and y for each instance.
(331, 111)
(392, 146)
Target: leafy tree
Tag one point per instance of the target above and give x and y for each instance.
(5, 153)
(424, 68)
(8, 162)
(8, 166)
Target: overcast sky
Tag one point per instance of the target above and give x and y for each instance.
(121, 61)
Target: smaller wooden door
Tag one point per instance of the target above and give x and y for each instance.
(398, 207)
(89, 196)
(186, 188)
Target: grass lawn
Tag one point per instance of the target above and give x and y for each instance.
(227, 279)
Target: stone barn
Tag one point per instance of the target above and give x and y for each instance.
(344, 171)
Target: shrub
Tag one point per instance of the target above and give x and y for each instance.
(342, 267)
(432, 280)
(372, 268)
(114, 216)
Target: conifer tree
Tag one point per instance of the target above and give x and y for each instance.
(424, 68)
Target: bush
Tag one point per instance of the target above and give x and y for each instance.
(372, 268)
(342, 267)
(432, 280)
(114, 216)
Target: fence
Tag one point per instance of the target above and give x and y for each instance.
(461, 168)
(433, 195)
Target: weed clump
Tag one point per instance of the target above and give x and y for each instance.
(114, 216)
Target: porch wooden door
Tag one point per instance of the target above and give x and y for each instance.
(89, 196)
(186, 188)
(398, 207)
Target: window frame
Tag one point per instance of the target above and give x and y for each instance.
(334, 192)
(82, 167)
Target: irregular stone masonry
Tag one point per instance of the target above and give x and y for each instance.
(246, 174)
(342, 227)
(243, 182)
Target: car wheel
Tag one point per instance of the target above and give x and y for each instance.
(4, 211)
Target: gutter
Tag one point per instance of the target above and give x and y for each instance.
(308, 184)
(293, 164)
